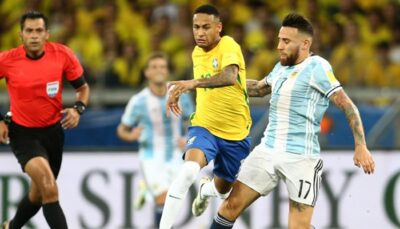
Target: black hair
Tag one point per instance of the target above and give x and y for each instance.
(207, 9)
(299, 22)
(32, 15)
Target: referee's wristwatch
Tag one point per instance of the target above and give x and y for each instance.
(80, 107)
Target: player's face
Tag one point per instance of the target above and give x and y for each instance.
(34, 35)
(289, 45)
(157, 71)
(206, 30)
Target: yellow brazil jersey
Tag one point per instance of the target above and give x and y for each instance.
(224, 111)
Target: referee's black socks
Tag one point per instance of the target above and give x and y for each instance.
(54, 215)
(25, 211)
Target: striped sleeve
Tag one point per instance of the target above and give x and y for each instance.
(323, 79)
(270, 76)
(132, 112)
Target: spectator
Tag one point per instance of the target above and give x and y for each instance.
(351, 56)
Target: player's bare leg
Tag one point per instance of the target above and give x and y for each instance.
(239, 199)
(300, 215)
(160, 199)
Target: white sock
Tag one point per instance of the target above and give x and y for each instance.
(177, 192)
(209, 190)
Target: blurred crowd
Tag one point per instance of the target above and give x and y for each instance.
(112, 38)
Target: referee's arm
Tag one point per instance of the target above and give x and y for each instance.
(82, 90)
(72, 115)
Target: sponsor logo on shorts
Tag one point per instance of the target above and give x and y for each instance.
(191, 140)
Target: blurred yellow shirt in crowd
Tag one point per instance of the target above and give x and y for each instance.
(349, 61)
(378, 75)
(262, 63)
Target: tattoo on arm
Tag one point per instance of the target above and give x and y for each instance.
(257, 88)
(343, 102)
(227, 77)
(299, 206)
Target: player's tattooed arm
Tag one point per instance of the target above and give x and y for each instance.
(362, 156)
(227, 77)
(343, 102)
(257, 88)
(298, 206)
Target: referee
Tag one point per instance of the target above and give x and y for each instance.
(34, 74)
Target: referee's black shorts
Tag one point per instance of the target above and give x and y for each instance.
(27, 143)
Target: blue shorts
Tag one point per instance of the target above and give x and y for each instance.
(227, 155)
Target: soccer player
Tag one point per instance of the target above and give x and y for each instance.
(34, 74)
(220, 126)
(161, 138)
(301, 86)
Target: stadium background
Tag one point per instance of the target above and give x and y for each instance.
(361, 39)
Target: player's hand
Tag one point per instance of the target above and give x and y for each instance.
(175, 90)
(173, 101)
(4, 133)
(173, 105)
(182, 86)
(71, 118)
(135, 133)
(363, 158)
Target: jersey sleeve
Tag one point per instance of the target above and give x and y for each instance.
(323, 79)
(231, 53)
(187, 106)
(72, 67)
(268, 78)
(132, 112)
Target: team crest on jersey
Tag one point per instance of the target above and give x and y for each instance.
(294, 74)
(52, 88)
(215, 63)
(191, 140)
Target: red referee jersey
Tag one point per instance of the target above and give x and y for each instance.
(35, 86)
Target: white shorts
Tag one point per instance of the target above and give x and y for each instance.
(158, 175)
(263, 169)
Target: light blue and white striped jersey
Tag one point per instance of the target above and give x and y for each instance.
(299, 98)
(160, 133)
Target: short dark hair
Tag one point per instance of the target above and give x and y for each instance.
(299, 22)
(32, 15)
(158, 55)
(207, 9)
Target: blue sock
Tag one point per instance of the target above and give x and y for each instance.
(220, 222)
(157, 215)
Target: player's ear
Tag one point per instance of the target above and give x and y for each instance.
(219, 26)
(47, 34)
(307, 43)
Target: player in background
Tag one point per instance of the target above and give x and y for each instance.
(220, 126)
(161, 138)
(301, 86)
